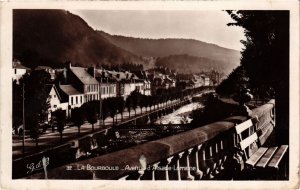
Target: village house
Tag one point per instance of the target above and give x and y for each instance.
(19, 70)
(82, 81)
(146, 87)
(55, 101)
(108, 85)
(205, 79)
(47, 69)
(64, 97)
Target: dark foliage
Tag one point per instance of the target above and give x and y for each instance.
(60, 117)
(266, 59)
(214, 110)
(77, 116)
(90, 111)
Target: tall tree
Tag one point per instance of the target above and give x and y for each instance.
(120, 106)
(36, 95)
(91, 113)
(17, 103)
(33, 122)
(36, 101)
(60, 117)
(112, 108)
(105, 110)
(266, 58)
(128, 104)
(77, 116)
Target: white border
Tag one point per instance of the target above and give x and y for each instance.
(6, 92)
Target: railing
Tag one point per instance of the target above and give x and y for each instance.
(206, 152)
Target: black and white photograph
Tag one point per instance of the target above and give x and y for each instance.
(153, 94)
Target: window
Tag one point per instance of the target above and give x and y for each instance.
(71, 100)
(76, 100)
(54, 96)
(54, 106)
(81, 99)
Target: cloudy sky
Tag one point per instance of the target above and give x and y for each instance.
(207, 26)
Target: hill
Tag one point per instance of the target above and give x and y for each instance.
(187, 64)
(210, 53)
(52, 37)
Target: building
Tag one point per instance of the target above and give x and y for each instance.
(205, 79)
(107, 83)
(55, 101)
(19, 70)
(47, 69)
(83, 82)
(64, 97)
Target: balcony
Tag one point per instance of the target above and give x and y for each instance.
(204, 153)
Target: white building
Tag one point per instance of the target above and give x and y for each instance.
(19, 70)
(64, 97)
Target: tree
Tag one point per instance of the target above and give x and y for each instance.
(60, 117)
(77, 116)
(105, 110)
(36, 95)
(143, 102)
(128, 104)
(112, 108)
(33, 122)
(135, 99)
(266, 58)
(120, 106)
(17, 103)
(233, 82)
(36, 102)
(91, 113)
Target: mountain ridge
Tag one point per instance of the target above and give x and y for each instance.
(53, 37)
(174, 46)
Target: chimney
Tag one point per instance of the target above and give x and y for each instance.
(92, 71)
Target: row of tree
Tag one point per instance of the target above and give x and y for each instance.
(36, 105)
(110, 107)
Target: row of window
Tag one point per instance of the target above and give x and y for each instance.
(108, 90)
(92, 88)
(79, 100)
(76, 100)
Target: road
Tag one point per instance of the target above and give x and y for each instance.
(51, 139)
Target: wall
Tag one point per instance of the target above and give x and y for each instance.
(213, 143)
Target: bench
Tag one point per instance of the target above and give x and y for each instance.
(256, 156)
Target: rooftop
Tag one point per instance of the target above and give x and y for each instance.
(69, 90)
(83, 75)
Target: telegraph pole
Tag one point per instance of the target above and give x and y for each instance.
(23, 143)
(100, 102)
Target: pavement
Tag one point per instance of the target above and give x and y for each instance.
(51, 139)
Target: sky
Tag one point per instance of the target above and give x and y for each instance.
(206, 26)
